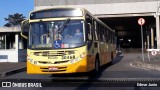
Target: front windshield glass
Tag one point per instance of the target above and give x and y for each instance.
(56, 34)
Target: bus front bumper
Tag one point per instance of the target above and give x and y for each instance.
(80, 66)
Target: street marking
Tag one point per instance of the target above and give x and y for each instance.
(139, 67)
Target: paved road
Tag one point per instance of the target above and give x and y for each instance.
(119, 70)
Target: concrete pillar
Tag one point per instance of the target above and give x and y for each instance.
(152, 38)
(16, 47)
(147, 41)
(16, 42)
(10, 45)
(5, 42)
(157, 31)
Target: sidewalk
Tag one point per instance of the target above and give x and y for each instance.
(8, 68)
(153, 64)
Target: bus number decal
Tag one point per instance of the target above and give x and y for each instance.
(68, 57)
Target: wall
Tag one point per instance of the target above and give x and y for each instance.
(82, 2)
(111, 8)
(18, 54)
(8, 55)
(22, 53)
(114, 8)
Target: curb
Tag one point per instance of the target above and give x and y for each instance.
(7, 73)
(143, 65)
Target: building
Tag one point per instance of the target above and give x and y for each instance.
(12, 45)
(121, 15)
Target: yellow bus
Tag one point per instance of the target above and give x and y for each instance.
(67, 40)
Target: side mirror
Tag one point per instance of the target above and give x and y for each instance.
(89, 31)
(25, 28)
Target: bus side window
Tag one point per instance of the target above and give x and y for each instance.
(95, 31)
(104, 36)
(107, 40)
(109, 36)
(89, 27)
(89, 31)
(98, 32)
(101, 33)
(113, 37)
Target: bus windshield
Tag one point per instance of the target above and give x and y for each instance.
(56, 34)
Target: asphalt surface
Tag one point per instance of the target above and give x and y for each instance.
(118, 75)
(9, 68)
(120, 68)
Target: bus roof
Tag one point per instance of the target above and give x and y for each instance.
(84, 12)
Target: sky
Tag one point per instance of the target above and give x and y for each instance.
(14, 6)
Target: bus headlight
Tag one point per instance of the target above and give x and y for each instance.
(35, 62)
(82, 55)
(31, 60)
(28, 58)
(72, 61)
(75, 60)
(78, 58)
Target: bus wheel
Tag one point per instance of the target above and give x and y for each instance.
(97, 66)
(111, 56)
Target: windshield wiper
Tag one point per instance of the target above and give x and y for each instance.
(61, 29)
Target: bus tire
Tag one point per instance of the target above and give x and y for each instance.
(111, 56)
(97, 65)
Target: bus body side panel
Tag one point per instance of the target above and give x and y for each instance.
(90, 62)
(107, 53)
(91, 55)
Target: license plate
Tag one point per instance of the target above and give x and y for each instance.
(53, 68)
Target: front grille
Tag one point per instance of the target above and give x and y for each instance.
(44, 62)
(54, 53)
(60, 62)
(56, 62)
(55, 57)
(52, 70)
(59, 69)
